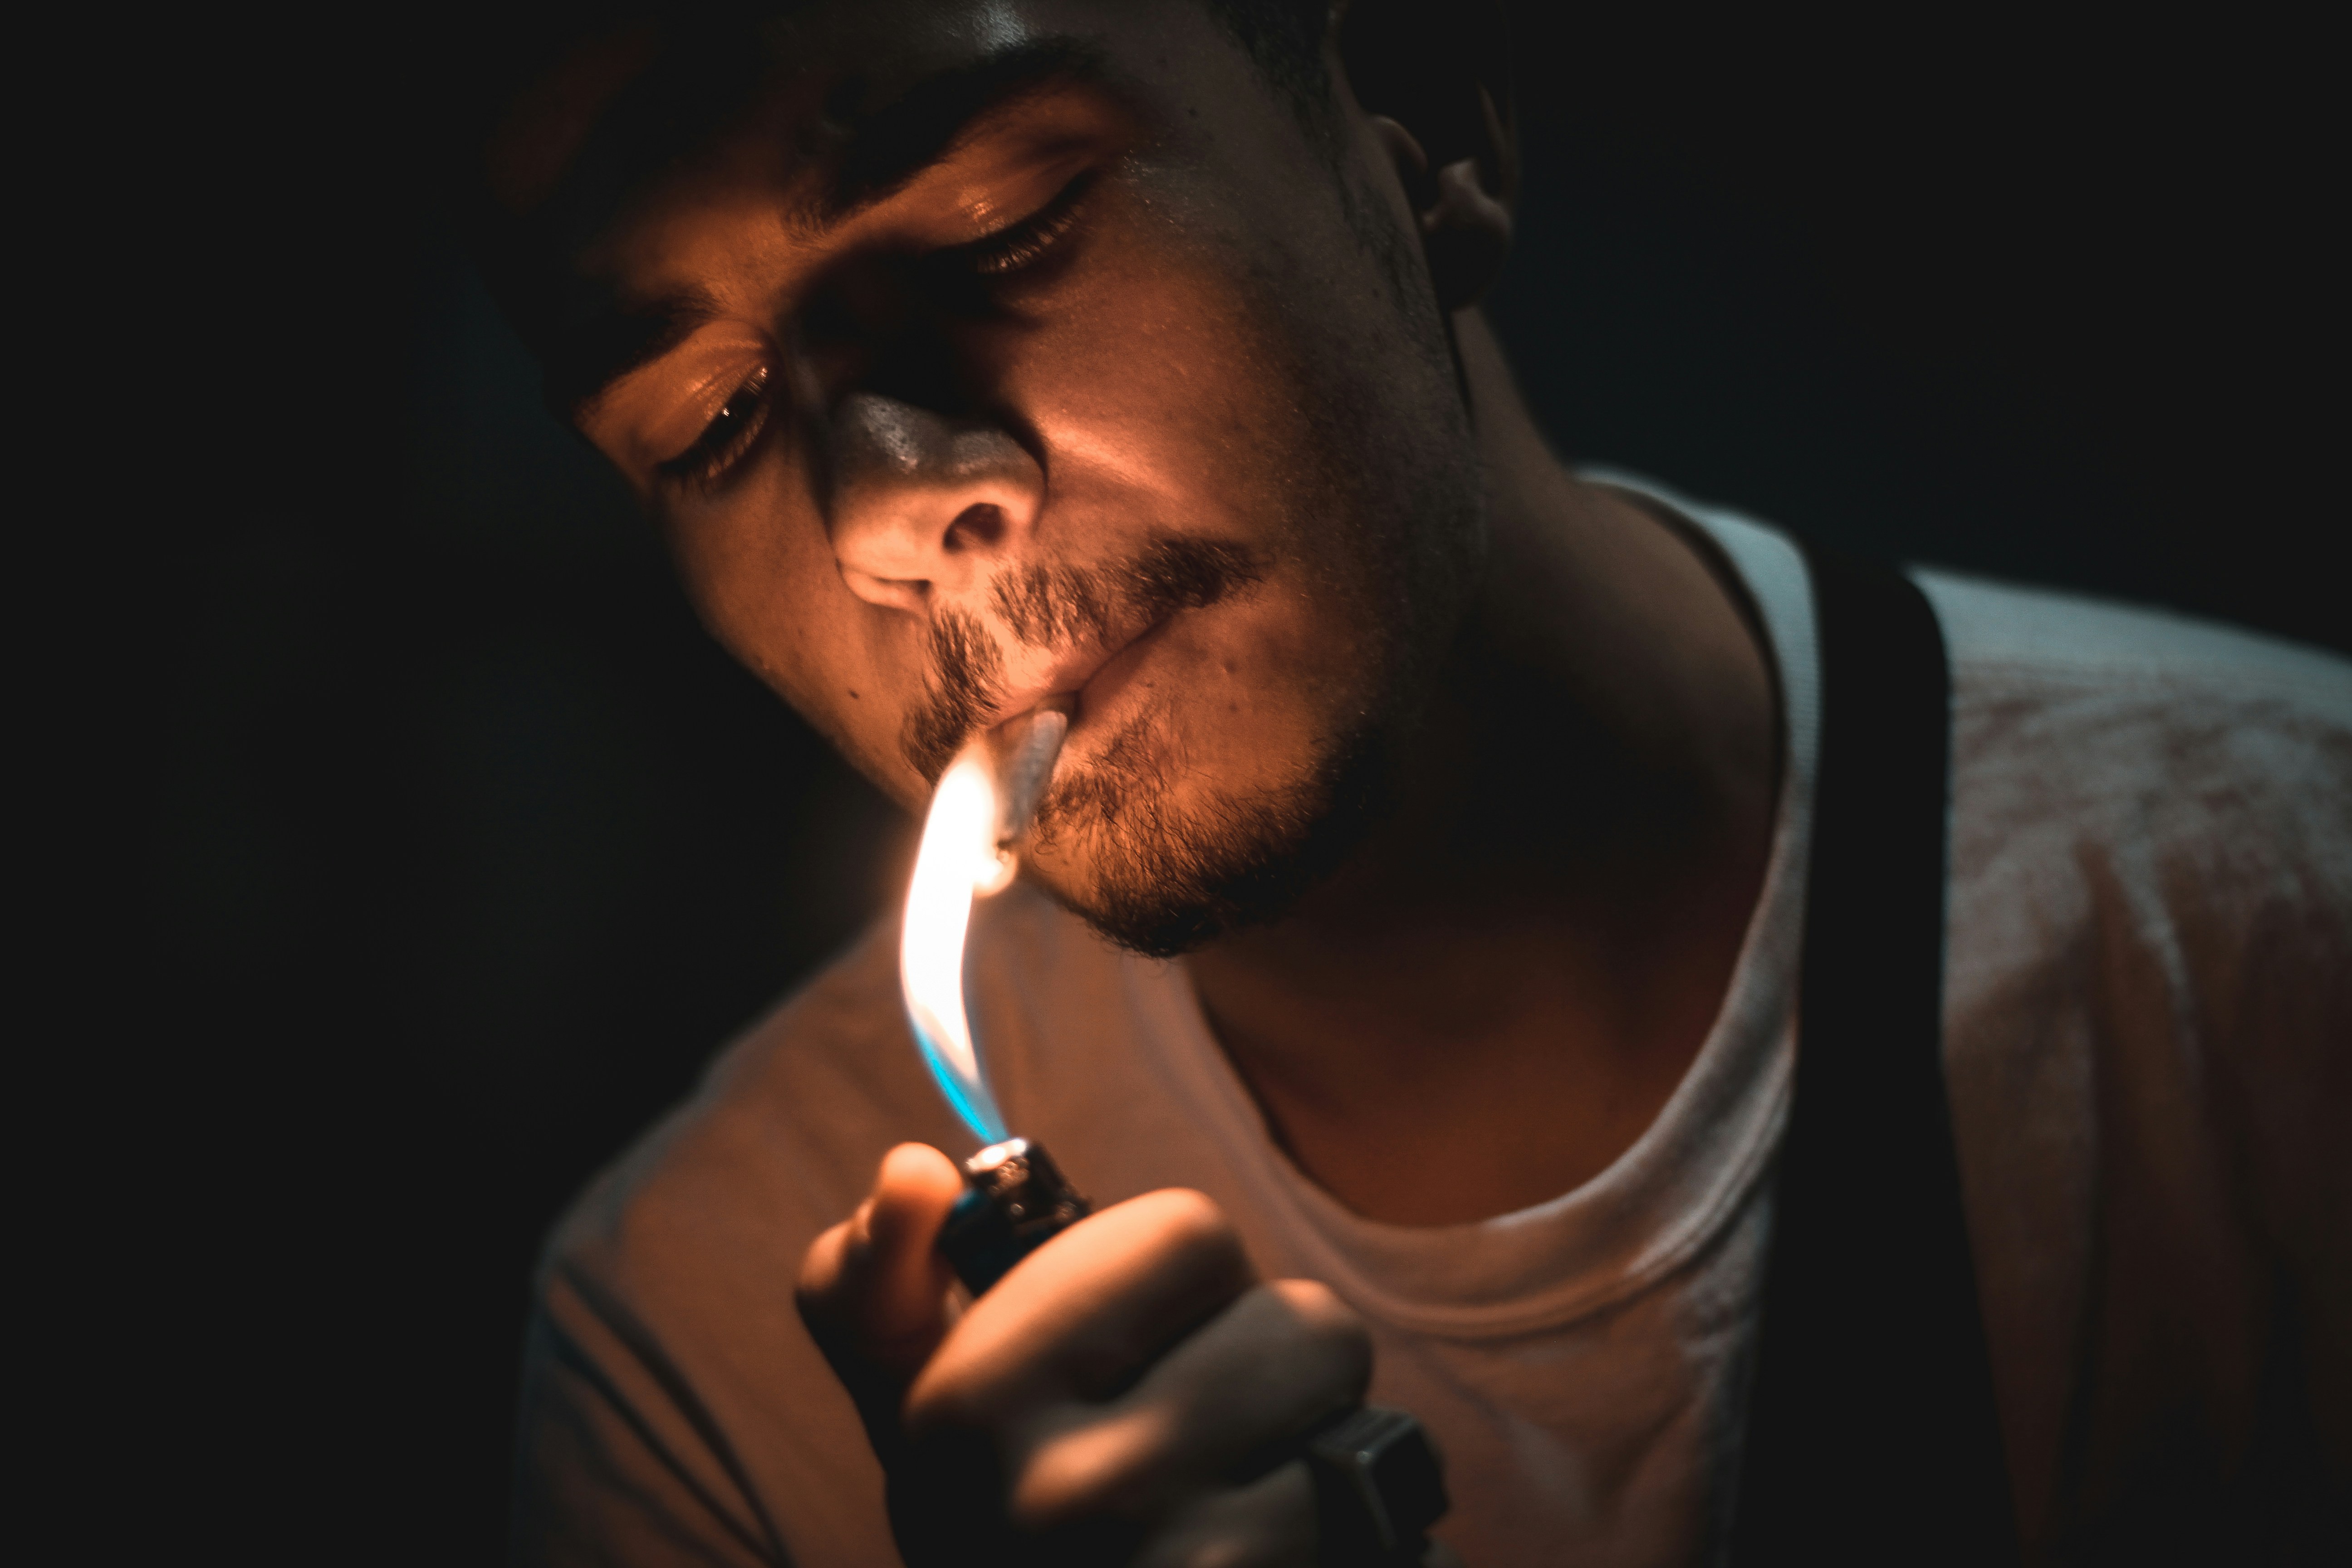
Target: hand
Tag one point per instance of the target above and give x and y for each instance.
(1129, 1393)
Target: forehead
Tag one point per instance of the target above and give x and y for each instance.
(807, 112)
(620, 107)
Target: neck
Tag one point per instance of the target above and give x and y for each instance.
(1497, 994)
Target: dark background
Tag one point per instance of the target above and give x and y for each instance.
(468, 848)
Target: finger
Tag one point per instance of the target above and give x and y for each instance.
(1268, 1523)
(1085, 1314)
(873, 1289)
(1227, 1400)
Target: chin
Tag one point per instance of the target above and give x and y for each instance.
(1163, 862)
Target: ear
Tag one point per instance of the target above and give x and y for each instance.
(1465, 225)
(1432, 77)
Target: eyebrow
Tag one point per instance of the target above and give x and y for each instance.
(611, 345)
(891, 146)
(880, 155)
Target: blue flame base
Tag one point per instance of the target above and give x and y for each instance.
(969, 1099)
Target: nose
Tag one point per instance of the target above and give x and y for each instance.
(921, 503)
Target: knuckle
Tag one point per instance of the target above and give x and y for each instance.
(1328, 1323)
(945, 1400)
(1196, 1231)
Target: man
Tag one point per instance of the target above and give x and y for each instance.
(1449, 817)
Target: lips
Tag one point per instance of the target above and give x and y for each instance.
(1089, 679)
(1082, 632)
(1113, 673)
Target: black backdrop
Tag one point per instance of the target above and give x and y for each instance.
(467, 847)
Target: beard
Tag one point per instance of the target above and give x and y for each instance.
(1165, 878)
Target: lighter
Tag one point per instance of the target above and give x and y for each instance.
(1015, 1199)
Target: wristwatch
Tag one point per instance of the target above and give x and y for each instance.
(1379, 1486)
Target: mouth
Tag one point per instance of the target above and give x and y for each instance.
(1118, 672)
(1130, 603)
(1090, 683)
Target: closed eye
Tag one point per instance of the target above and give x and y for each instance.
(727, 438)
(1021, 244)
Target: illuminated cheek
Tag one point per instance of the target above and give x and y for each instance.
(1258, 691)
(1156, 376)
(755, 561)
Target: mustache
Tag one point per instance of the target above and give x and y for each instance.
(1053, 609)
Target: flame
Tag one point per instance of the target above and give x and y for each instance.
(958, 858)
(977, 813)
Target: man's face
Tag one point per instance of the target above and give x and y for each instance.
(988, 353)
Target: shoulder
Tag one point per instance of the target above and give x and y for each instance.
(2142, 801)
(2088, 729)
(2150, 925)
(2151, 841)
(2003, 635)
(2151, 850)
(2151, 870)
(2145, 1006)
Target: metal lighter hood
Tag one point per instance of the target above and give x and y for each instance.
(1015, 1199)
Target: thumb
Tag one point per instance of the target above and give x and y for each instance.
(874, 1289)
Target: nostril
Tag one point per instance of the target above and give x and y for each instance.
(978, 527)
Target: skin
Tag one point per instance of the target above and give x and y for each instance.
(1494, 994)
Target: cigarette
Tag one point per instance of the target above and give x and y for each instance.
(1026, 749)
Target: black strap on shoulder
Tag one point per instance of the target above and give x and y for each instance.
(1871, 1434)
